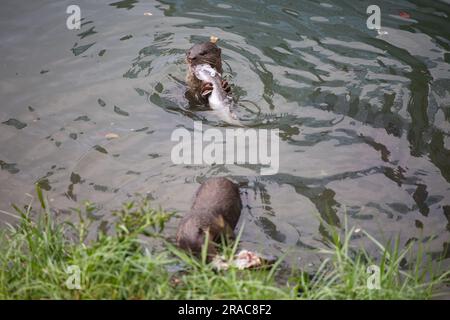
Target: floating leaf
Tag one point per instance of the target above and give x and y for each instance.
(111, 135)
(404, 14)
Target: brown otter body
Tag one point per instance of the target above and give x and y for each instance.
(203, 53)
(216, 210)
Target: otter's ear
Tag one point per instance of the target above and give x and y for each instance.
(200, 231)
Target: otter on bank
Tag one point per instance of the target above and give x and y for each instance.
(216, 211)
(203, 53)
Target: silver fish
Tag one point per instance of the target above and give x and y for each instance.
(219, 100)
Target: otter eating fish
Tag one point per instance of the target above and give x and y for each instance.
(203, 53)
(206, 84)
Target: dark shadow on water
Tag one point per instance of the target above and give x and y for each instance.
(124, 4)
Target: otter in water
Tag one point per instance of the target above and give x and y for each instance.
(203, 53)
(216, 211)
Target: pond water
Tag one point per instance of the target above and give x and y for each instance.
(364, 117)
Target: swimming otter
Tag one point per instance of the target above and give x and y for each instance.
(203, 53)
(216, 210)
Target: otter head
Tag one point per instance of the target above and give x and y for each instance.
(191, 237)
(204, 53)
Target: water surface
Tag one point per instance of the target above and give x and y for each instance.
(363, 117)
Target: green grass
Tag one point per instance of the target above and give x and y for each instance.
(35, 254)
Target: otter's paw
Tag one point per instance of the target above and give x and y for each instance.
(226, 86)
(206, 89)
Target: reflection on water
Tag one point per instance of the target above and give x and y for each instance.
(363, 118)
